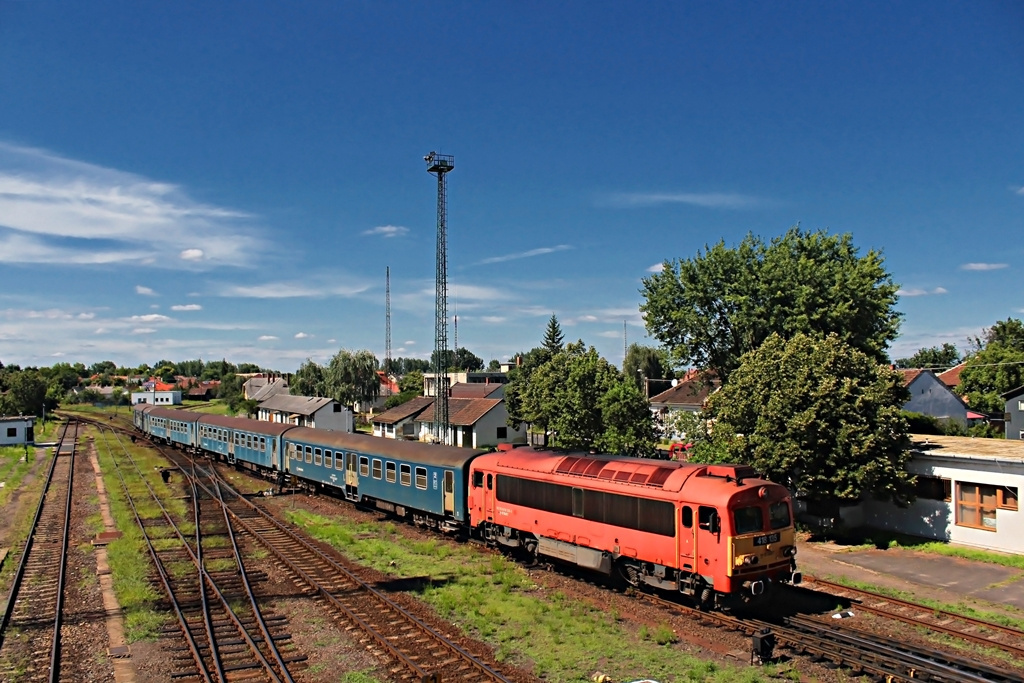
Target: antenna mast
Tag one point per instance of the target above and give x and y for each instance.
(439, 165)
(387, 325)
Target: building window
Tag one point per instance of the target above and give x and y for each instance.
(12, 431)
(933, 488)
(502, 432)
(976, 506)
(337, 407)
(376, 468)
(364, 467)
(421, 478)
(1020, 405)
(389, 472)
(406, 478)
(1006, 498)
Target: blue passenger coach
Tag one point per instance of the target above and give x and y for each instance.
(175, 426)
(402, 477)
(254, 443)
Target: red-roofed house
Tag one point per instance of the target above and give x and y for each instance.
(951, 377)
(475, 422)
(929, 396)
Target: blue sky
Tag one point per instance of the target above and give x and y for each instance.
(182, 180)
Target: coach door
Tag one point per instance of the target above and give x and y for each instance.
(449, 493)
(686, 536)
(351, 476)
(274, 461)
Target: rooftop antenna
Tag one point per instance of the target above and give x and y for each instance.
(439, 165)
(387, 324)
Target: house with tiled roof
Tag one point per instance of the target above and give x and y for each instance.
(951, 377)
(475, 422)
(930, 396)
(306, 411)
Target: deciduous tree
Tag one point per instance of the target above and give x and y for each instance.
(996, 368)
(644, 362)
(308, 380)
(935, 358)
(351, 376)
(711, 309)
(818, 416)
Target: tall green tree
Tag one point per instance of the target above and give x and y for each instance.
(935, 358)
(467, 360)
(308, 380)
(627, 421)
(711, 309)
(553, 336)
(518, 383)
(351, 376)
(818, 416)
(995, 368)
(643, 363)
(26, 394)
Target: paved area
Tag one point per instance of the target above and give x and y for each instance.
(948, 579)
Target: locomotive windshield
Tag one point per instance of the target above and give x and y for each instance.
(748, 520)
(778, 513)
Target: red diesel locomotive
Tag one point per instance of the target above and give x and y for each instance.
(708, 531)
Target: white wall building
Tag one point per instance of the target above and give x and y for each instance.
(157, 398)
(967, 493)
(306, 411)
(15, 431)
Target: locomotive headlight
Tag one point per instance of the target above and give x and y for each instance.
(789, 551)
(744, 560)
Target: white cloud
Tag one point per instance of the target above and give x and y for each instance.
(610, 334)
(187, 307)
(301, 335)
(493, 319)
(58, 354)
(61, 210)
(86, 316)
(267, 337)
(525, 254)
(151, 318)
(100, 330)
(144, 291)
(710, 200)
(289, 290)
(143, 330)
(587, 319)
(387, 231)
(410, 343)
(191, 254)
(1020, 190)
(656, 268)
(921, 292)
(984, 266)
(332, 341)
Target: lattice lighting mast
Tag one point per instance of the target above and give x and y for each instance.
(439, 165)
(387, 324)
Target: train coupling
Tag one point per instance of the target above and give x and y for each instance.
(796, 578)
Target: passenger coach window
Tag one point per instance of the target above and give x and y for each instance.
(327, 459)
(389, 472)
(376, 468)
(318, 457)
(748, 520)
(339, 460)
(309, 454)
(688, 517)
(421, 478)
(364, 467)
(406, 478)
(778, 515)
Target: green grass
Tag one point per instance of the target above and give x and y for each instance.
(13, 469)
(215, 407)
(358, 677)
(561, 638)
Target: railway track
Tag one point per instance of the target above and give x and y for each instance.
(977, 631)
(224, 641)
(30, 643)
(862, 652)
(420, 653)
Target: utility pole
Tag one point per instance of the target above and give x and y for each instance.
(440, 165)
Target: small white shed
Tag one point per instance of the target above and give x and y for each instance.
(15, 431)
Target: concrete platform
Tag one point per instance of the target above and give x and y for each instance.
(949, 579)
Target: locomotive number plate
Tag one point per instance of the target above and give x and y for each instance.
(766, 539)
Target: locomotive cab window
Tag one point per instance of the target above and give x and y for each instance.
(778, 515)
(687, 516)
(707, 519)
(478, 479)
(490, 482)
(364, 467)
(748, 520)
(389, 472)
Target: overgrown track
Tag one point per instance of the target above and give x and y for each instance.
(421, 653)
(30, 629)
(978, 631)
(860, 651)
(224, 643)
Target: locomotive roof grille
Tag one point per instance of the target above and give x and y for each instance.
(643, 475)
